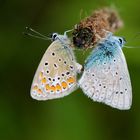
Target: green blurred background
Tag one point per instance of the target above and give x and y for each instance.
(75, 116)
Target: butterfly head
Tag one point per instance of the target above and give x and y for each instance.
(119, 40)
(63, 38)
(54, 36)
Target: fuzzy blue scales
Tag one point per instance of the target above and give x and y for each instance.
(105, 51)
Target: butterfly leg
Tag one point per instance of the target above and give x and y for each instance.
(79, 67)
(65, 33)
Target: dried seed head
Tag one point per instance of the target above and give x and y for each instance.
(93, 28)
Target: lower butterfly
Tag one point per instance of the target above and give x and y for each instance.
(106, 78)
(56, 75)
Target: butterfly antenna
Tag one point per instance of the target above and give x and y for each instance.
(130, 47)
(35, 34)
(135, 37)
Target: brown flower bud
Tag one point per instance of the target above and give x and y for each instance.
(92, 29)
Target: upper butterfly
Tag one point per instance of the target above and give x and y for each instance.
(105, 78)
(57, 71)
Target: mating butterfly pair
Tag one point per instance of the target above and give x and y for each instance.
(105, 77)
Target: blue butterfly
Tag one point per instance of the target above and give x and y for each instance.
(106, 78)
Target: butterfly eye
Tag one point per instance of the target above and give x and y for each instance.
(121, 41)
(54, 36)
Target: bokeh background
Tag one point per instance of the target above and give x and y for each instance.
(75, 116)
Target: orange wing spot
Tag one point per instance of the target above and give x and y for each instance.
(71, 80)
(47, 87)
(35, 87)
(58, 87)
(41, 75)
(64, 85)
(53, 88)
(44, 80)
(39, 91)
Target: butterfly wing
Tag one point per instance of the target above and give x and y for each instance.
(56, 74)
(106, 78)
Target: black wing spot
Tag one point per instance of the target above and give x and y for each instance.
(67, 73)
(49, 79)
(46, 63)
(120, 78)
(55, 65)
(71, 67)
(85, 85)
(53, 54)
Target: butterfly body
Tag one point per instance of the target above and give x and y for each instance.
(105, 78)
(57, 71)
